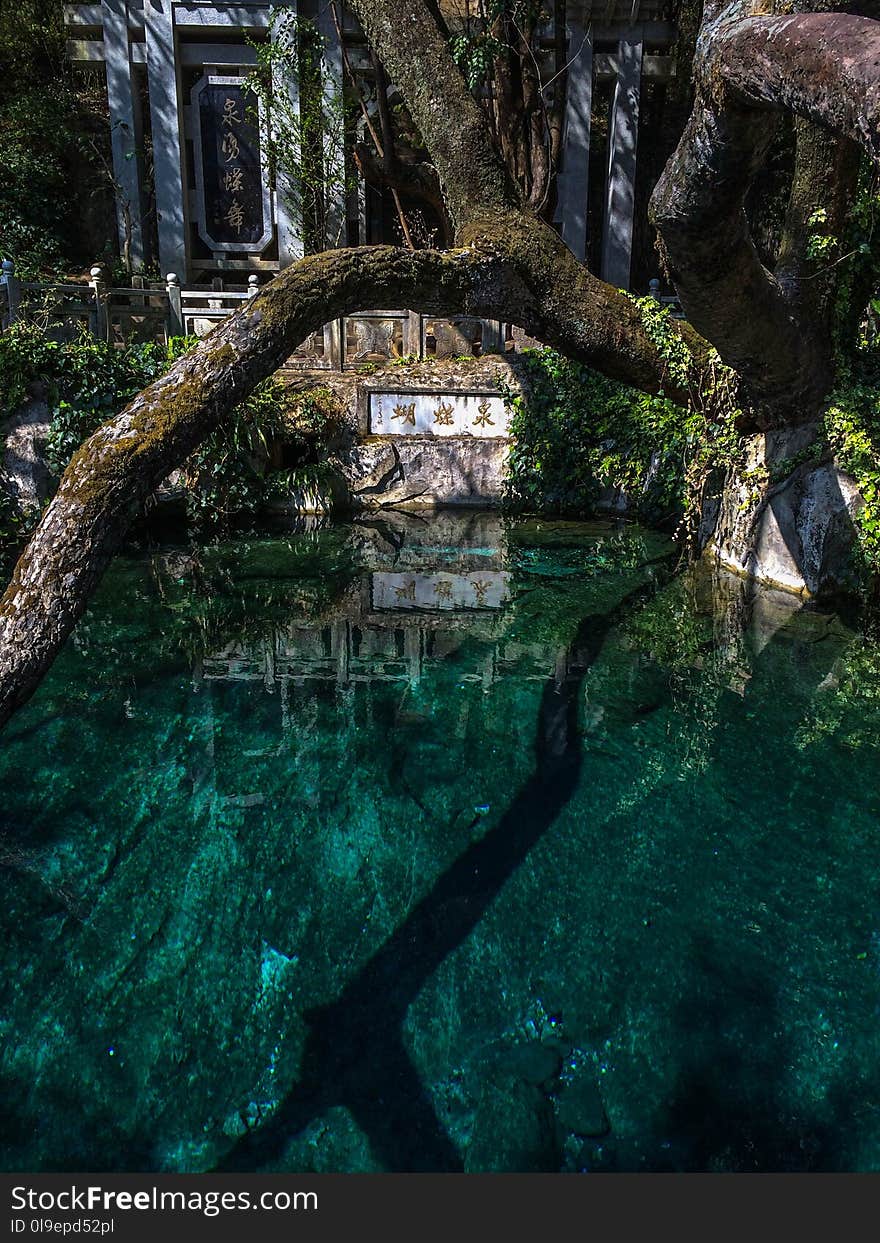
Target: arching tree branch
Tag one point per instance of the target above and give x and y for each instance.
(114, 472)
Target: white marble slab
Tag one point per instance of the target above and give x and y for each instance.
(437, 414)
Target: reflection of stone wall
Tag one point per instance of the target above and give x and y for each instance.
(455, 541)
(424, 589)
(388, 645)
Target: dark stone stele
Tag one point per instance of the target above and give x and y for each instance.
(234, 123)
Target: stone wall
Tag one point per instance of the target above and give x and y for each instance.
(786, 517)
(422, 435)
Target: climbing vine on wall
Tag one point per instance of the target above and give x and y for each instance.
(851, 424)
(580, 439)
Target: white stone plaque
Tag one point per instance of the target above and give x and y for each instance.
(480, 589)
(437, 414)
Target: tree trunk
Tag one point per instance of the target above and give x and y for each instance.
(823, 68)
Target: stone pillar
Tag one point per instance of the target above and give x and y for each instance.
(288, 216)
(574, 178)
(124, 136)
(11, 286)
(412, 650)
(340, 648)
(334, 166)
(164, 88)
(623, 137)
(334, 343)
(360, 191)
(412, 333)
(100, 318)
(175, 305)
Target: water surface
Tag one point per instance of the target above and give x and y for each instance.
(443, 844)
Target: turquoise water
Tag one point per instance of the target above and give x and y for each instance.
(443, 844)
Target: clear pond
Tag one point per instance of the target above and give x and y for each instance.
(443, 844)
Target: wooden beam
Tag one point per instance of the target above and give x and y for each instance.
(85, 50)
(657, 68)
(243, 17)
(83, 15)
(198, 54)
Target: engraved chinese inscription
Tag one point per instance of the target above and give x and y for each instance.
(484, 418)
(444, 414)
(231, 171)
(407, 413)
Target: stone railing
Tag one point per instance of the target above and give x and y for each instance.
(153, 311)
(156, 311)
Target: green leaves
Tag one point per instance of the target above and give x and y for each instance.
(47, 138)
(92, 382)
(578, 433)
(852, 426)
(474, 54)
(820, 244)
(231, 477)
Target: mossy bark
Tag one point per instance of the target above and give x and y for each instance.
(823, 69)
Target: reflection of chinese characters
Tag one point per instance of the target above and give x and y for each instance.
(443, 414)
(230, 148)
(407, 592)
(230, 113)
(235, 216)
(443, 589)
(484, 418)
(480, 586)
(406, 413)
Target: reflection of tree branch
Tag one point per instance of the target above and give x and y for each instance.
(355, 1054)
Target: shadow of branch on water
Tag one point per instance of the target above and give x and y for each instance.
(355, 1054)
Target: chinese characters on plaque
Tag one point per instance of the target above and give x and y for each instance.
(437, 414)
(231, 170)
